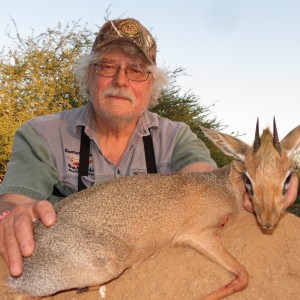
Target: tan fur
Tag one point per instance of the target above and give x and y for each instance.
(108, 228)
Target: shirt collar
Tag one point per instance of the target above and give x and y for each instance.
(146, 121)
(84, 119)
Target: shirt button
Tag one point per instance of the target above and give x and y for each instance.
(118, 172)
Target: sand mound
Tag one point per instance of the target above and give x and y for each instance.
(272, 261)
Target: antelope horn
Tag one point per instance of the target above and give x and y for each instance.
(256, 143)
(276, 142)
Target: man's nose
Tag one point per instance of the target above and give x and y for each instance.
(121, 78)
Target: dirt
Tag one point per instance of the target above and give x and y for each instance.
(272, 261)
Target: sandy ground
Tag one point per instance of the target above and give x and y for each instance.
(272, 261)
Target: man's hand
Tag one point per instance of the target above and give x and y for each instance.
(290, 197)
(16, 228)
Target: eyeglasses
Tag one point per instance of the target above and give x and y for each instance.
(132, 72)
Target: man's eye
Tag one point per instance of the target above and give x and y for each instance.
(134, 70)
(107, 67)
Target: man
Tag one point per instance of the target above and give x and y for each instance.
(120, 80)
(113, 135)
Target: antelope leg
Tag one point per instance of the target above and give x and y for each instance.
(209, 244)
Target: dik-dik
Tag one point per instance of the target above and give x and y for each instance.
(108, 228)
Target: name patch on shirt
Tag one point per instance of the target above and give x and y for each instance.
(72, 158)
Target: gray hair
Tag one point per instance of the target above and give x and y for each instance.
(81, 70)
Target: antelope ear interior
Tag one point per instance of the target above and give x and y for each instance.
(291, 142)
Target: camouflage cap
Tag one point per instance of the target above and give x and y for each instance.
(130, 30)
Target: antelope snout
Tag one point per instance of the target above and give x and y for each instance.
(268, 226)
(268, 219)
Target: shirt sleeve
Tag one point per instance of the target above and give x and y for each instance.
(30, 171)
(188, 149)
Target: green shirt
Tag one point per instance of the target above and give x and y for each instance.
(46, 153)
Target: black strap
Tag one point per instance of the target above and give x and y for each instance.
(56, 192)
(84, 160)
(83, 169)
(149, 154)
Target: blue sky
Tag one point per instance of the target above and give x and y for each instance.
(242, 56)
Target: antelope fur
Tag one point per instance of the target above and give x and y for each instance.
(108, 228)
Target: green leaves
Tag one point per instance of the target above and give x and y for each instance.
(36, 78)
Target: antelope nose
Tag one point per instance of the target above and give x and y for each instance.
(268, 226)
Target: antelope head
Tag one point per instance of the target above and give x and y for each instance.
(265, 167)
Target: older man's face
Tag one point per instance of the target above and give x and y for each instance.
(119, 98)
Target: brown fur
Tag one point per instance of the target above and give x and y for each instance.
(108, 228)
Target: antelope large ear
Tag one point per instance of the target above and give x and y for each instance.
(229, 145)
(291, 142)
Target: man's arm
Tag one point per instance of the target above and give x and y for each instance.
(198, 167)
(30, 176)
(16, 228)
(190, 153)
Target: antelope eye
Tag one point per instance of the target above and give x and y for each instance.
(248, 185)
(286, 184)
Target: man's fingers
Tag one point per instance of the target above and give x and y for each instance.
(3, 251)
(13, 252)
(23, 224)
(16, 231)
(23, 227)
(44, 211)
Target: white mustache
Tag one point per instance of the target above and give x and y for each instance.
(117, 92)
